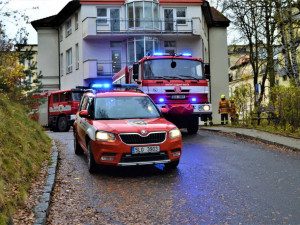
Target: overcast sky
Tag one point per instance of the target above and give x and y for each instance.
(45, 8)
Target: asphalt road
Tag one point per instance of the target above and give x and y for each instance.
(220, 180)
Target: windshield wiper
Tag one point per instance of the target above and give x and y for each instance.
(191, 77)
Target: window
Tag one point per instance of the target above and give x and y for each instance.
(76, 21)
(181, 16)
(77, 56)
(68, 28)
(60, 33)
(138, 47)
(29, 62)
(284, 77)
(170, 47)
(55, 98)
(102, 16)
(61, 64)
(143, 14)
(69, 60)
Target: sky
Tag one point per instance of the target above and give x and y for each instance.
(45, 8)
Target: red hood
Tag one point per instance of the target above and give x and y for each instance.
(133, 125)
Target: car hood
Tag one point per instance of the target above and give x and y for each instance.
(133, 125)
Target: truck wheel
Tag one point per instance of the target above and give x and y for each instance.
(193, 125)
(62, 124)
(77, 148)
(92, 166)
(171, 165)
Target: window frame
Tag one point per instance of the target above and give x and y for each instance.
(68, 27)
(76, 21)
(100, 18)
(69, 59)
(77, 56)
(177, 18)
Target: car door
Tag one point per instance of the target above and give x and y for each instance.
(81, 130)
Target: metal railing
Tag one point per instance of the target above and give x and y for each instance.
(143, 26)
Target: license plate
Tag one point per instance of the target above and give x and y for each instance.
(177, 96)
(145, 149)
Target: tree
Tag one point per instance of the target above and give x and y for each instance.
(287, 18)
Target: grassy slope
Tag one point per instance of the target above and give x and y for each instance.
(23, 149)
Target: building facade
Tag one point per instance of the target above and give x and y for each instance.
(93, 39)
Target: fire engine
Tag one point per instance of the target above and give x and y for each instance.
(176, 83)
(58, 112)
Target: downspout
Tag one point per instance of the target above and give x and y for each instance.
(58, 33)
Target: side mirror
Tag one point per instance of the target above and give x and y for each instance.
(207, 71)
(164, 110)
(83, 113)
(135, 71)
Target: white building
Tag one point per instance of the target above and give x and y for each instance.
(93, 39)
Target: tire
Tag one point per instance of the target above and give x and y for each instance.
(77, 148)
(92, 166)
(62, 124)
(172, 165)
(193, 125)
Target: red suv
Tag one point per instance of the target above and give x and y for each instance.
(124, 129)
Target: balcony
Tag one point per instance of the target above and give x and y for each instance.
(93, 68)
(93, 26)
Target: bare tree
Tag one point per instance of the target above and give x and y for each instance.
(287, 17)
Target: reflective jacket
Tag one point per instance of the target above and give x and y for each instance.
(224, 106)
(232, 110)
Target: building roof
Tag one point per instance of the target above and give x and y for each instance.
(219, 20)
(163, 2)
(213, 17)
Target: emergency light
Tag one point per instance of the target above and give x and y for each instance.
(187, 54)
(194, 99)
(161, 100)
(106, 86)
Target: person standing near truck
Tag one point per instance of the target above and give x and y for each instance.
(224, 109)
(233, 115)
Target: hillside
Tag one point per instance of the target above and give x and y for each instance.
(23, 148)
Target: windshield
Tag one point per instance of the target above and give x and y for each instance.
(76, 96)
(125, 108)
(172, 69)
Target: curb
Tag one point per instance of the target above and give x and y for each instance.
(41, 210)
(252, 138)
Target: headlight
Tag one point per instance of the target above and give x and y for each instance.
(206, 108)
(105, 136)
(174, 133)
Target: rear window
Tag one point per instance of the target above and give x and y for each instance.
(76, 96)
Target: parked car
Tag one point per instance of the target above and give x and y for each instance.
(124, 128)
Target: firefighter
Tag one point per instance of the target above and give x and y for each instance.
(208, 118)
(224, 109)
(233, 115)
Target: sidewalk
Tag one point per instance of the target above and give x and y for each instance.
(287, 142)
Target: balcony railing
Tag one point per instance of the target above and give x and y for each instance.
(101, 68)
(94, 26)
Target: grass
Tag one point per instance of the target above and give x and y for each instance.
(23, 149)
(264, 126)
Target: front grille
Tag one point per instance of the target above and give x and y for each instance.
(151, 138)
(126, 158)
(172, 91)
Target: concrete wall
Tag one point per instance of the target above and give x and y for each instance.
(218, 68)
(48, 62)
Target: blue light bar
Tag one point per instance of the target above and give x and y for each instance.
(187, 54)
(158, 54)
(161, 100)
(194, 99)
(99, 86)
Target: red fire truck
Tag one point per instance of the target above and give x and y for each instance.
(176, 83)
(58, 112)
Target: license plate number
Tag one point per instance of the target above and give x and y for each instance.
(178, 97)
(145, 149)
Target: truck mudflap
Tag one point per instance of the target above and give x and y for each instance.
(180, 109)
